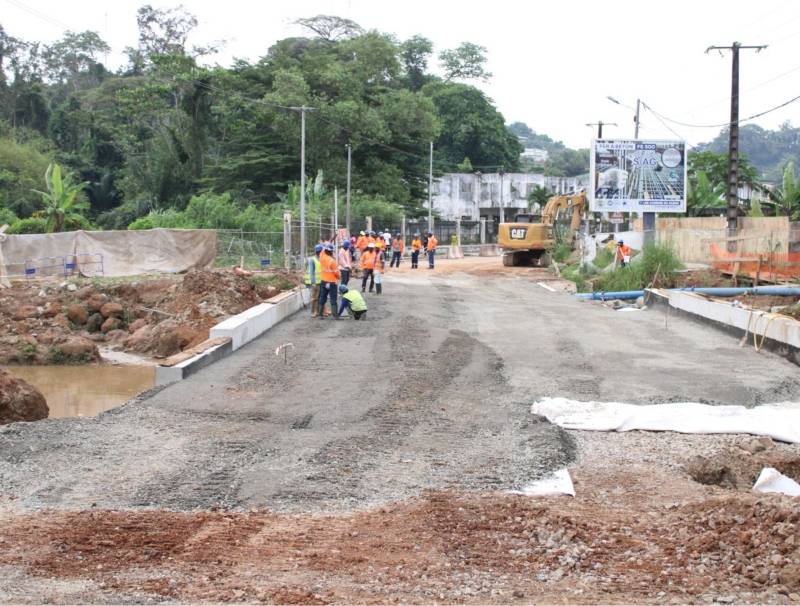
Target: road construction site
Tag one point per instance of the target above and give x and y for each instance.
(378, 461)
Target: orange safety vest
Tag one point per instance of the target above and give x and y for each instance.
(368, 260)
(361, 243)
(432, 242)
(398, 245)
(416, 244)
(380, 264)
(330, 271)
(623, 251)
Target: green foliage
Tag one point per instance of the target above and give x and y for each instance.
(603, 258)
(539, 195)
(7, 217)
(21, 168)
(755, 209)
(700, 193)
(715, 167)
(561, 162)
(63, 201)
(30, 225)
(466, 62)
(787, 197)
(640, 273)
(561, 252)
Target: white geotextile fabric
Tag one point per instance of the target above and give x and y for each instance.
(124, 253)
(772, 480)
(779, 421)
(556, 483)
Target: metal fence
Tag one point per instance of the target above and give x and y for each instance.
(251, 249)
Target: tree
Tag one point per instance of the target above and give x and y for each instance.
(74, 56)
(331, 27)
(63, 200)
(787, 197)
(702, 193)
(471, 127)
(465, 62)
(539, 195)
(715, 167)
(414, 54)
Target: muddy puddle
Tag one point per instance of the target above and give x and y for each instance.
(84, 391)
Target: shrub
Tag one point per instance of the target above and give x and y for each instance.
(640, 273)
(561, 252)
(7, 217)
(603, 258)
(31, 225)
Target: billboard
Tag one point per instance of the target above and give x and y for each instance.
(634, 175)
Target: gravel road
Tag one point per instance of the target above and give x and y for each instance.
(431, 391)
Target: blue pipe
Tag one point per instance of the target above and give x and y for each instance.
(778, 291)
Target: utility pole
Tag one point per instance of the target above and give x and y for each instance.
(347, 196)
(430, 191)
(732, 193)
(599, 124)
(302, 109)
(336, 216)
(502, 210)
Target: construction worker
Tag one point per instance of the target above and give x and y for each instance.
(380, 269)
(345, 260)
(416, 246)
(329, 271)
(431, 248)
(398, 246)
(353, 302)
(361, 243)
(368, 267)
(312, 280)
(623, 254)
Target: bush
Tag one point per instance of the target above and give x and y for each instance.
(31, 225)
(561, 252)
(7, 217)
(642, 270)
(603, 258)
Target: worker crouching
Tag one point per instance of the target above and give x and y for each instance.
(353, 302)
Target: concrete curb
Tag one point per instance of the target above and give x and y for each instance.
(240, 330)
(782, 333)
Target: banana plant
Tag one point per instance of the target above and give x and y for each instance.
(63, 199)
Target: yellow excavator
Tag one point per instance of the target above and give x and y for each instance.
(528, 240)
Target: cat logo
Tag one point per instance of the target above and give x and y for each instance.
(518, 233)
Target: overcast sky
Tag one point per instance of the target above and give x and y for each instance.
(554, 63)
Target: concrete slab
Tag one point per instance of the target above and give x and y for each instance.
(774, 332)
(246, 326)
(170, 374)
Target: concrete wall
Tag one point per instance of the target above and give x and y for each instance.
(467, 195)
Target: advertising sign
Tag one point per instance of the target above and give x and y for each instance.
(633, 175)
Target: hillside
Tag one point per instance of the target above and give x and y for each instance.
(767, 150)
(563, 161)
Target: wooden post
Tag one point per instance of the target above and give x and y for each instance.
(403, 228)
(758, 270)
(737, 264)
(369, 223)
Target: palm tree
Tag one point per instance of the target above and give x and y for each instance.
(63, 199)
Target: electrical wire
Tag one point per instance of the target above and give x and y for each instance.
(38, 14)
(753, 117)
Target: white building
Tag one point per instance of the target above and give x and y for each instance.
(470, 197)
(534, 154)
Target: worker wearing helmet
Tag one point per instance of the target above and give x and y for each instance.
(431, 248)
(312, 279)
(380, 269)
(345, 261)
(416, 246)
(330, 274)
(623, 253)
(368, 267)
(398, 246)
(353, 302)
(361, 242)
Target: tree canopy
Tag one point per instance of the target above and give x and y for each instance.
(165, 128)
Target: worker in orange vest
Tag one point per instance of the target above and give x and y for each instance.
(361, 243)
(416, 246)
(329, 271)
(380, 269)
(398, 247)
(368, 267)
(623, 253)
(431, 248)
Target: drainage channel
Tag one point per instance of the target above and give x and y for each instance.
(85, 391)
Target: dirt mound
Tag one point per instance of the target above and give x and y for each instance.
(36, 318)
(738, 467)
(442, 547)
(20, 401)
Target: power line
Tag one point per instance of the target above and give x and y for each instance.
(753, 117)
(38, 14)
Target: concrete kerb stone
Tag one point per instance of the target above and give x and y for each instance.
(240, 329)
(775, 333)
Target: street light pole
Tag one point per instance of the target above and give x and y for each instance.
(430, 191)
(502, 210)
(302, 109)
(347, 204)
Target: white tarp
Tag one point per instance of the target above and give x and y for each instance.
(772, 480)
(556, 483)
(122, 253)
(779, 421)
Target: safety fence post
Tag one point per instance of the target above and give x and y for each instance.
(483, 230)
(287, 240)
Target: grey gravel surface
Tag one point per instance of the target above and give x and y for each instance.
(432, 390)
